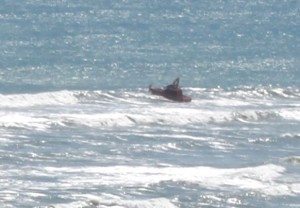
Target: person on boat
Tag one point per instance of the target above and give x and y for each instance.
(173, 89)
(174, 85)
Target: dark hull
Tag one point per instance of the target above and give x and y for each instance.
(163, 93)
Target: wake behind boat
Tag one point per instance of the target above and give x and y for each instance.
(171, 92)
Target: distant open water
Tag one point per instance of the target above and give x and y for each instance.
(78, 127)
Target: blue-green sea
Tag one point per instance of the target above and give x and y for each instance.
(79, 128)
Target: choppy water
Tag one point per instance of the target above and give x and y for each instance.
(78, 127)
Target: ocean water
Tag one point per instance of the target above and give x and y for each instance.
(79, 129)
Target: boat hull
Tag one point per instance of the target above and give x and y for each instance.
(163, 93)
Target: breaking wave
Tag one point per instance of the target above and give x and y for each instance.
(218, 96)
(42, 111)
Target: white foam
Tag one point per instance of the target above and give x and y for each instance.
(45, 98)
(291, 136)
(116, 202)
(113, 119)
(16, 120)
(290, 114)
(263, 178)
(94, 109)
(133, 117)
(296, 188)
